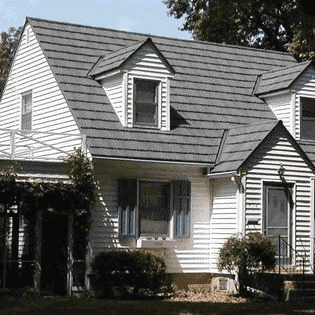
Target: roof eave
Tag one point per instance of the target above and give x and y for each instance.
(132, 53)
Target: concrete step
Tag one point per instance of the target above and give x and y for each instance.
(296, 290)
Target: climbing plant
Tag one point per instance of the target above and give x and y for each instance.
(32, 198)
(76, 195)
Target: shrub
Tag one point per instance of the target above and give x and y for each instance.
(253, 252)
(127, 272)
(270, 283)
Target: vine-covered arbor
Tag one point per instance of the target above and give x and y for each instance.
(44, 228)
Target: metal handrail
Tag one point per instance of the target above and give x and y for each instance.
(291, 249)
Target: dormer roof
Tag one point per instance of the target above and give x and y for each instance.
(240, 145)
(118, 58)
(279, 79)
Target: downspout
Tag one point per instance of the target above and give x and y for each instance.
(239, 179)
(312, 222)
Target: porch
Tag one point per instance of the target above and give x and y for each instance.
(42, 249)
(16, 144)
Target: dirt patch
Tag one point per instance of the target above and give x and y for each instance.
(206, 295)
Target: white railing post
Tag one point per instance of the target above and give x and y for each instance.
(12, 144)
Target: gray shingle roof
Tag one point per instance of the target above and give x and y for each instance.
(117, 58)
(279, 79)
(240, 142)
(210, 92)
(309, 148)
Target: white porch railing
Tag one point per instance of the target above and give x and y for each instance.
(38, 145)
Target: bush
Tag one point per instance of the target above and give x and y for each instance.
(270, 283)
(253, 252)
(127, 272)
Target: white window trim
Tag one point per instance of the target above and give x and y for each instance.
(171, 226)
(158, 80)
(171, 234)
(30, 92)
(301, 116)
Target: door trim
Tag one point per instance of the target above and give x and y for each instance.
(290, 192)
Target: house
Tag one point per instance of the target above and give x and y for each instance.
(192, 143)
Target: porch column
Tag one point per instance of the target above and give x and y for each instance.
(38, 251)
(70, 253)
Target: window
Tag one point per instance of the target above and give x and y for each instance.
(307, 118)
(147, 208)
(146, 102)
(154, 208)
(26, 118)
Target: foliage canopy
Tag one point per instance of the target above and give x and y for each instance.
(8, 43)
(76, 195)
(269, 24)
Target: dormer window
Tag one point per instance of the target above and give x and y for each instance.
(136, 80)
(307, 118)
(146, 102)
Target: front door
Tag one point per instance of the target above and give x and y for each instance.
(277, 218)
(54, 254)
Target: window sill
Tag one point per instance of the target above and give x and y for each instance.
(155, 243)
(146, 127)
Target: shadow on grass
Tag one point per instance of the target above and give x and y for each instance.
(84, 306)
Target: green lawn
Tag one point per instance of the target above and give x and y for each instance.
(74, 306)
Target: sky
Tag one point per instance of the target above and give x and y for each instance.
(140, 16)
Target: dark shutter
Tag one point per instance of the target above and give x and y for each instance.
(181, 206)
(127, 202)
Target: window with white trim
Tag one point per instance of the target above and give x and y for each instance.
(307, 124)
(154, 208)
(26, 116)
(146, 102)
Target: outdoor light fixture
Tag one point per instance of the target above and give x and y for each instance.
(281, 170)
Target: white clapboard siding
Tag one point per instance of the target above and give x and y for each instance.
(281, 107)
(146, 63)
(265, 169)
(223, 221)
(50, 112)
(113, 87)
(187, 255)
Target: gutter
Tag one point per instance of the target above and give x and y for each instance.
(208, 166)
(222, 174)
(236, 176)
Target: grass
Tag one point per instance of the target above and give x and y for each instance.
(84, 306)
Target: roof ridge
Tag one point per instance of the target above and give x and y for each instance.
(307, 62)
(136, 44)
(165, 37)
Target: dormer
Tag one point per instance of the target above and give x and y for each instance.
(290, 93)
(136, 80)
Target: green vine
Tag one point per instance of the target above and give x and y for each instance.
(77, 195)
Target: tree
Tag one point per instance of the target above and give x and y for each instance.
(302, 45)
(241, 255)
(268, 24)
(8, 43)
